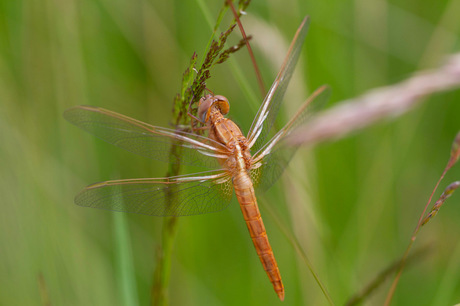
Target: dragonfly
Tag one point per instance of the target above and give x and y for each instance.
(223, 151)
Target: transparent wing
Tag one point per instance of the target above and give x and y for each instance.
(267, 112)
(147, 140)
(271, 160)
(173, 196)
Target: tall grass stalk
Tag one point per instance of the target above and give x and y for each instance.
(126, 275)
(190, 93)
(454, 156)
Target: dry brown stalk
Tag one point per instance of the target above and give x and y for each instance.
(377, 104)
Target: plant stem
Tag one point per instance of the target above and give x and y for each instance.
(163, 270)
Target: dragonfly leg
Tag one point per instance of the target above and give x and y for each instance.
(193, 125)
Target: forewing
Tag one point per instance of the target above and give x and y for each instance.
(174, 196)
(271, 160)
(266, 115)
(146, 140)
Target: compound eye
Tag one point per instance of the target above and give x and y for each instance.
(204, 106)
(223, 104)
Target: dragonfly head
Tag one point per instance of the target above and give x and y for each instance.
(210, 101)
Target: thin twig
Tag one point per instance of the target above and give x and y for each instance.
(454, 156)
(248, 45)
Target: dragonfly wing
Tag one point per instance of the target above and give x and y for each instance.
(266, 115)
(269, 170)
(173, 196)
(147, 140)
(271, 160)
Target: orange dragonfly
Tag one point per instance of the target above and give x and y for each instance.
(225, 150)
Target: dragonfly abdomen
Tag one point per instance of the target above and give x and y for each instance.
(244, 191)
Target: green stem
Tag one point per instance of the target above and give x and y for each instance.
(163, 270)
(164, 253)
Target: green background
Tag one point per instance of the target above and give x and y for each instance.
(352, 203)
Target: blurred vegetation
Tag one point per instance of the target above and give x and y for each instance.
(352, 204)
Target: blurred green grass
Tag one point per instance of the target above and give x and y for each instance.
(352, 203)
